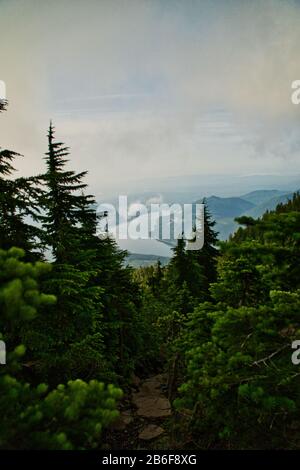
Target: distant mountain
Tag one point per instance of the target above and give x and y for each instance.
(223, 207)
(223, 211)
(185, 188)
(262, 195)
(137, 260)
(253, 204)
(265, 200)
(232, 197)
(269, 204)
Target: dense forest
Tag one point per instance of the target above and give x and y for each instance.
(81, 328)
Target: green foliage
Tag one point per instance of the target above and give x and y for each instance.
(239, 371)
(21, 216)
(71, 416)
(208, 255)
(121, 302)
(240, 281)
(67, 341)
(17, 206)
(19, 295)
(240, 382)
(92, 330)
(191, 272)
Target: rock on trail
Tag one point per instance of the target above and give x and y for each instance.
(143, 421)
(150, 401)
(150, 432)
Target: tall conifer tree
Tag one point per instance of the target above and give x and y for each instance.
(207, 256)
(67, 209)
(17, 206)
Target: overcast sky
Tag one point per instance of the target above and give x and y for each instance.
(141, 89)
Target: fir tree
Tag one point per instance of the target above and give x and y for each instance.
(207, 256)
(178, 263)
(185, 278)
(17, 207)
(69, 336)
(68, 211)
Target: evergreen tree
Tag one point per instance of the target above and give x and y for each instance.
(73, 415)
(207, 256)
(178, 264)
(68, 340)
(68, 211)
(195, 269)
(92, 328)
(185, 277)
(17, 207)
(240, 381)
(120, 304)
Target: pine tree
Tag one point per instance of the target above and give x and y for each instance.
(68, 211)
(120, 304)
(185, 278)
(178, 263)
(239, 372)
(207, 256)
(196, 269)
(93, 326)
(17, 207)
(69, 336)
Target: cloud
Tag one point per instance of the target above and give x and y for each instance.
(141, 88)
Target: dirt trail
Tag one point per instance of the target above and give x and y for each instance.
(144, 423)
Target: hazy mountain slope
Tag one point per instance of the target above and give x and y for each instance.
(223, 210)
(262, 195)
(220, 207)
(269, 204)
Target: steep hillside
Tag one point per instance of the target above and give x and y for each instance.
(222, 207)
(262, 195)
(269, 204)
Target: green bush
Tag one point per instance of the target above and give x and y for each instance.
(240, 380)
(71, 416)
